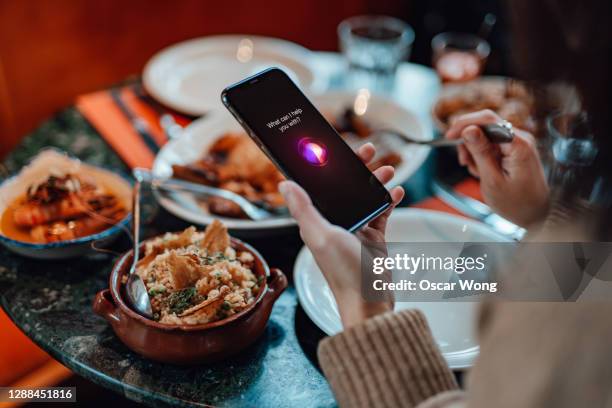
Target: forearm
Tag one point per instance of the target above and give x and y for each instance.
(389, 360)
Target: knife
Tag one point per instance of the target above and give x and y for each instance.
(478, 210)
(167, 122)
(140, 125)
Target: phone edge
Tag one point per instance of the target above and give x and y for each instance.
(370, 217)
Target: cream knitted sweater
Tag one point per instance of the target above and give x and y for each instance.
(531, 355)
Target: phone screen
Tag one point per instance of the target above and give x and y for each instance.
(306, 148)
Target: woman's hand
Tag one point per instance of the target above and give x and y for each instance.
(337, 251)
(511, 175)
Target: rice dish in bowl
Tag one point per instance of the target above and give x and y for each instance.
(197, 277)
(234, 308)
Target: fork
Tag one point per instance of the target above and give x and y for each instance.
(172, 184)
(500, 132)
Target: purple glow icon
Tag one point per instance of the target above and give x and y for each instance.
(314, 152)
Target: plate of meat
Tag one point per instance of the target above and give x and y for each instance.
(58, 207)
(507, 97)
(216, 151)
(358, 117)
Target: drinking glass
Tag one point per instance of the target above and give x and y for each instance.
(374, 46)
(459, 57)
(573, 151)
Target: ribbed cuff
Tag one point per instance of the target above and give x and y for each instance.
(390, 360)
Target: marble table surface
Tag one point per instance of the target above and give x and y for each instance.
(51, 302)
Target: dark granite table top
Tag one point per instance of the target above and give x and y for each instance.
(51, 302)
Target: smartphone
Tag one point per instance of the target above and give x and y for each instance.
(306, 148)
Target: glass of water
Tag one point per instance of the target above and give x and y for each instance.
(573, 151)
(374, 46)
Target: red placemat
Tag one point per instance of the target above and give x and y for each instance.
(103, 113)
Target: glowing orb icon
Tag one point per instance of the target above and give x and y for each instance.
(314, 152)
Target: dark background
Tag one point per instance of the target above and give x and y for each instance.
(51, 51)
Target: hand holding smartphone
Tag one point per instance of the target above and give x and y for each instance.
(306, 148)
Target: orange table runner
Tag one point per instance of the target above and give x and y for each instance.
(103, 113)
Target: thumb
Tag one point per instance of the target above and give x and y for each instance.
(310, 221)
(482, 151)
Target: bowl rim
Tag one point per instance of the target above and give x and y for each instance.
(115, 283)
(70, 242)
(110, 231)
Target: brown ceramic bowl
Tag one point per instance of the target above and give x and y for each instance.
(189, 344)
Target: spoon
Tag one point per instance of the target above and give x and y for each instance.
(500, 132)
(172, 184)
(135, 287)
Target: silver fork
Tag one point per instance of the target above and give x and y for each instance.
(172, 184)
(501, 132)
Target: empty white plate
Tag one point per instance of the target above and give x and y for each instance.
(452, 323)
(189, 76)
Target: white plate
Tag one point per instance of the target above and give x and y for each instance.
(189, 76)
(189, 147)
(456, 93)
(198, 136)
(452, 324)
(382, 112)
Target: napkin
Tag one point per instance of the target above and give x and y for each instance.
(118, 131)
